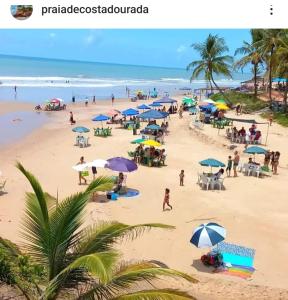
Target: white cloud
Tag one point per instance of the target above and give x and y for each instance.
(181, 49)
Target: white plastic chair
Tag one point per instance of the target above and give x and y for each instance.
(220, 183)
(205, 181)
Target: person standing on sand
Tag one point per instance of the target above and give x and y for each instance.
(181, 176)
(81, 162)
(94, 100)
(15, 89)
(236, 163)
(112, 99)
(271, 119)
(166, 199)
(71, 119)
(276, 162)
(229, 166)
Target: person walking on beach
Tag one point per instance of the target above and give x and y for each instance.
(271, 119)
(236, 163)
(15, 89)
(181, 176)
(81, 162)
(94, 100)
(229, 166)
(166, 199)
(112, 99)
(71, 119)
(181, 112)
(276, 162)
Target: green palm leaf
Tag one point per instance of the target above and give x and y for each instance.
(163, 294)
(103, 236)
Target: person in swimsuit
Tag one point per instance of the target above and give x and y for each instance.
(276, 162)
(166, 199)
(236, 163)
(181, 176)
(80, 173)
(229, 166)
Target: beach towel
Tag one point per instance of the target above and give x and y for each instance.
(130, 193)
(237, 271)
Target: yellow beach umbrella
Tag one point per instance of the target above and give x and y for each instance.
(151, 143)
(222, 106)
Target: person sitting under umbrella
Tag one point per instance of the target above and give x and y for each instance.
(120, 181)
(218, 175)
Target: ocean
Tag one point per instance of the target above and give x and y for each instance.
(39, 79)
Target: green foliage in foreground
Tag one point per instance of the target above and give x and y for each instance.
(80, 262)
(278, 117)
(250, 103)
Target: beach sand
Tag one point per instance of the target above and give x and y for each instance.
(254, 211)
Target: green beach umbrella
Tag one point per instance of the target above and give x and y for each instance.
(188, 101)
(137, 141)
(221, 101)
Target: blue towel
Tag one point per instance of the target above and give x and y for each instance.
(233, 259)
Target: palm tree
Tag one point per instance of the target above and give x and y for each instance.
(267, 45)
(212, 60)
(251, 56)
(281, 68)
(82, 263)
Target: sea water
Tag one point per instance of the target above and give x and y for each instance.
(39, 79)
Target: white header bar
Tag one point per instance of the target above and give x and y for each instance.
(161, 14)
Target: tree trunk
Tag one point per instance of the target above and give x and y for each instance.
(255, 80)
(221, 91)
(270, 73)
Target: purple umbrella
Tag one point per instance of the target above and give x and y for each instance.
(121, 164)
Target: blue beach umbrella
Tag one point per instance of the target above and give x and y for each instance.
(153, 127)
(153, 114)
(211, 162)
(130, 112)
(208, 235)
(80, 129)
(155, 104)
(137, 141)
(100, 118)
(165, 100)
(143, 106)
(255, 150)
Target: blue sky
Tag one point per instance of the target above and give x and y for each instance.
(167, 48)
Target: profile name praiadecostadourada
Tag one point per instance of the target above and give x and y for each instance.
(99, 9)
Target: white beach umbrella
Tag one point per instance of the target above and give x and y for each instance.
(81, 167)
(209, 101)
(98, 163)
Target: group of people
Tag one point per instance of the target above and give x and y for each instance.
(253, 135)
(272, 158)
(153, 154)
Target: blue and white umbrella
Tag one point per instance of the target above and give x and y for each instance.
(208, 235)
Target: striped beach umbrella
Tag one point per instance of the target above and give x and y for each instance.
(208, 235)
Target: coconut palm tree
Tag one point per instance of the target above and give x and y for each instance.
(267, 46)
(213, 61)
(82, 262)
(281, 65)
(251, 56)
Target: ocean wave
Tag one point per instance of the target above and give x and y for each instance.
(67, 82)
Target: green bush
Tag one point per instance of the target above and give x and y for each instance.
(249, 102)
(6, 269)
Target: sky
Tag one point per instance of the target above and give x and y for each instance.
(153, 47)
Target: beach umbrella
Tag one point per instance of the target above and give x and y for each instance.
(166, 100)
(153, 127)
(130, 112)
(98, 163)
(208, 235)
(209, 101)
(155, 104)
(255, 150)
(81, 167)
(151, 143)
(113, 112)
(80, 129)
(221, 106)
(153, 114)
(188, 101)
(137, 141)
(56, 100)
(100, 118)
(202, 104)
(121, 164)
(279, 80)
(221, 101)
(143, 106)
(211, 162)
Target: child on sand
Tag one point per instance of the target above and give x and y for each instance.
(166, 199)
(229, 166)
(181, 176)
(271, 119)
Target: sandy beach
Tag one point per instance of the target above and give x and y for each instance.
(253, 210)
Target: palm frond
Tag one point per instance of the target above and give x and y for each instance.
(160, 294)
(103, 236)
(100, 184)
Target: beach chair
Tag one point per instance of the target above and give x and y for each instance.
(205, 181)
(220, 183)
(256, 171)
(2, 186)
